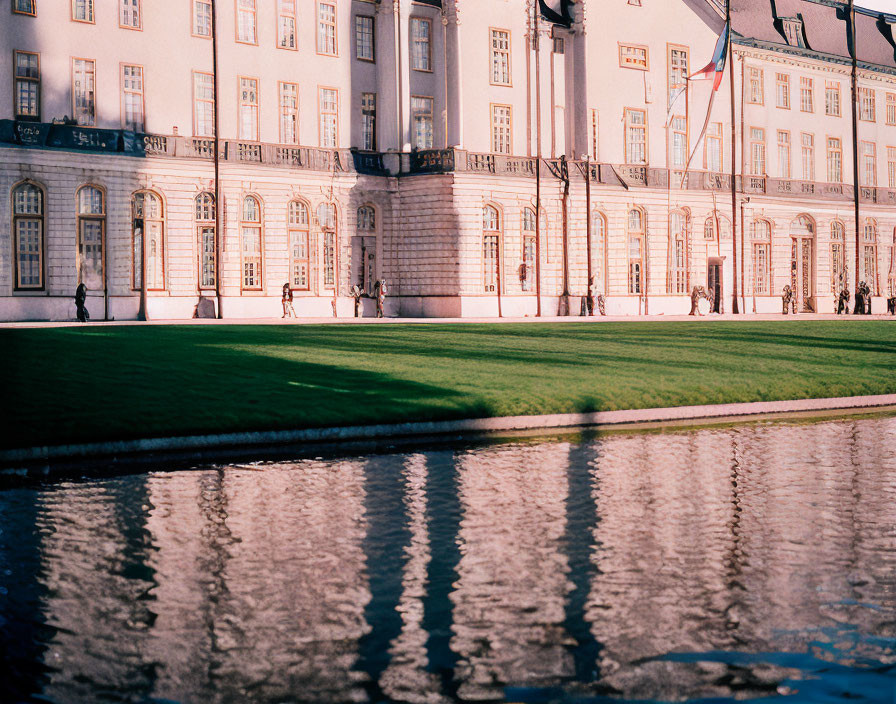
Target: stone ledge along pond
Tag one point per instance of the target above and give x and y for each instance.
(723, 564)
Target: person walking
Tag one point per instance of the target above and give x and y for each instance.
(80, 300)
(356, 294)
(287, 302)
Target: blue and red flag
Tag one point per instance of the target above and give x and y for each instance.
(715, 68)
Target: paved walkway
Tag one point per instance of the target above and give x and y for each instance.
(728, 317)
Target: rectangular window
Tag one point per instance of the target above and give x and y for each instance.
(286, 24)
(713, 147)
(807, 146)
(559, 45)
(202, 18)
(782, 90)
(203, 104)
(837, 265)
(129, 14)
(891, 166)
(678, 72)
(757, 151)
(26, 91)
(868, 164)
(368, 121)
(82, 10)
(867, 109)
(634, 56)
(289, 113)
(783, 154)
(421, 49)
(760, 268)
(248, 126)
(245, 22)
(756, 94)
(500, 57)
(326, 29)
(832, 98)
(251, 255)
(421, 115)
(24, 7)
(132, 98)
(364, 38)
(29, 268)
(528, 262)
(83, 91)
(329, 252)
(635, 136)
(207, 241)
(891, 108)
(807, 94)
(501, 129)
(328, 108)
(634, 264)
(490, 263)
(869, 267)
(679, 142)
(298, 255)
(835, 160)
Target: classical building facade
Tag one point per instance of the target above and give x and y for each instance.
(361, 141)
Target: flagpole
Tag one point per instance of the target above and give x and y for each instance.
(734, 305)
(537, 44)
(855, 133)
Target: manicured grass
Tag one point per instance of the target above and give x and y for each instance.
(99, 383)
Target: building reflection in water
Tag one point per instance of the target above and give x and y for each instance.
(443, 576)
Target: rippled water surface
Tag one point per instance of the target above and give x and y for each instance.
(724, 564)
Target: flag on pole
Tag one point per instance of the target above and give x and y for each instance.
(715, 68)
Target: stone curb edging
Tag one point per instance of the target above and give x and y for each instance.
(472, 425)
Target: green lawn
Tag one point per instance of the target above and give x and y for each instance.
(97, 383)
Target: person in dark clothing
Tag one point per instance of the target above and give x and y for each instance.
(356, 294)
(381, 292)
(287, 302)
(843, 302)
(80, 300)
(860, 299)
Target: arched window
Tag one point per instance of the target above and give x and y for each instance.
(250, 244)
(869, 255)
(598, 247)
(761, 236)
(527, 271)
(148, 220)
(636, 231)
(679, 224)
(709, 228)
(28, 231)
(838, 257)
(91, 236)
(205, 232)
(326, 218)
(297, 226)
(491, 234)
(366, 248)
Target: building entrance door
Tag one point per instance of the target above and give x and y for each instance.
(802, 260)
(714, 284)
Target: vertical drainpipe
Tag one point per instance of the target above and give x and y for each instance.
(217, 158)
(855, 132)
(588, 234)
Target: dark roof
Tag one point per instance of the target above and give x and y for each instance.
(825, 30)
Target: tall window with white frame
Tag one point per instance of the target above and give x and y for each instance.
(679, 129)
(783, 154)
(636, 137)
(502, 125)
(757, 151)
(678, 272)
(891, 167)
(28, 232)
(807, 94)
(500, 57)
(807, 153)
(491, 237)
(129, 14)
(328, 107)
(246, 32)
(26, 91)
(82, 10)
(297, 225)
(368, 121)
(891, 108)
(205, 234)
(248, 109)
(421, 44)
(202, 18)
(635, 231)
(326, 29)
(598, 246)
(365, 41)
(203, 104)
(756, 92)
(83, 91)
(91, 236)
(527, 272)
(832, 98)
(24, 7)
(868, 171)
(835, 160)
(132, 106)
(286, 24)
(421, 115)
(838, 257)
(149, 223)
(713, 147)
(289, 113)
(867, 107)
(366, 227)
(250, 244)
(782, 90)
(869, 255)
(678, 75)
(761, 236)
(326, 220)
